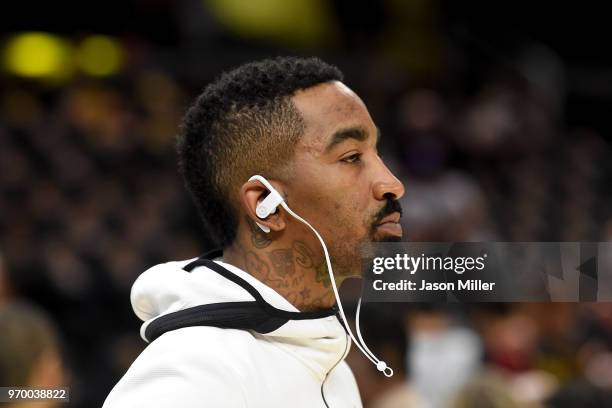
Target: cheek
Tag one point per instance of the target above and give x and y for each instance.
(351, 216)
(337, 209)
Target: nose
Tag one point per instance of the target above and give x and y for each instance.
(387, 186)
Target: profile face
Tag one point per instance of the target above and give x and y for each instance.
(341, 184)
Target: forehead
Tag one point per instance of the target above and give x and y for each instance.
(329, 107)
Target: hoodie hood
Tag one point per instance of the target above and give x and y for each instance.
(206, 292)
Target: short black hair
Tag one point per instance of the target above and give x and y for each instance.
(243, 123)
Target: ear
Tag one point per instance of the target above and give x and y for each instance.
(253, 192)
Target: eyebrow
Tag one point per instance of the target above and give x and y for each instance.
(357, 133)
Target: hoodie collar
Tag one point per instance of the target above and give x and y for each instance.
(203, 292)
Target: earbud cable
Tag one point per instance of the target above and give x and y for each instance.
(380, 365)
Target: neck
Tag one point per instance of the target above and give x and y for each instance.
(290, 267)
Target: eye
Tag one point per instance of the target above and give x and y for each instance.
(353, 158)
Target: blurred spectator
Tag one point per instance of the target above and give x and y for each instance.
(444, 354)
(485, 392)
(29, 351)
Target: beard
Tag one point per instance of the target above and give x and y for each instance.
(345, 250)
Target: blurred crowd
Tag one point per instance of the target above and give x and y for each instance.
(90, 197)
(487, 355)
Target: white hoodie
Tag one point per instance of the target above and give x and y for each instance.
(221, 338)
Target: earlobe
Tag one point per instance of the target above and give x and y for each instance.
(263, 227)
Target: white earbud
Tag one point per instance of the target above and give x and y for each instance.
(268, 205)
(264, 228)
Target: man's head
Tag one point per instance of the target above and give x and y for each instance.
(294, 122)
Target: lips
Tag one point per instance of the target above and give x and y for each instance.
(393, 217)
(390, 225)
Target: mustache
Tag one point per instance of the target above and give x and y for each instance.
(390, 207)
